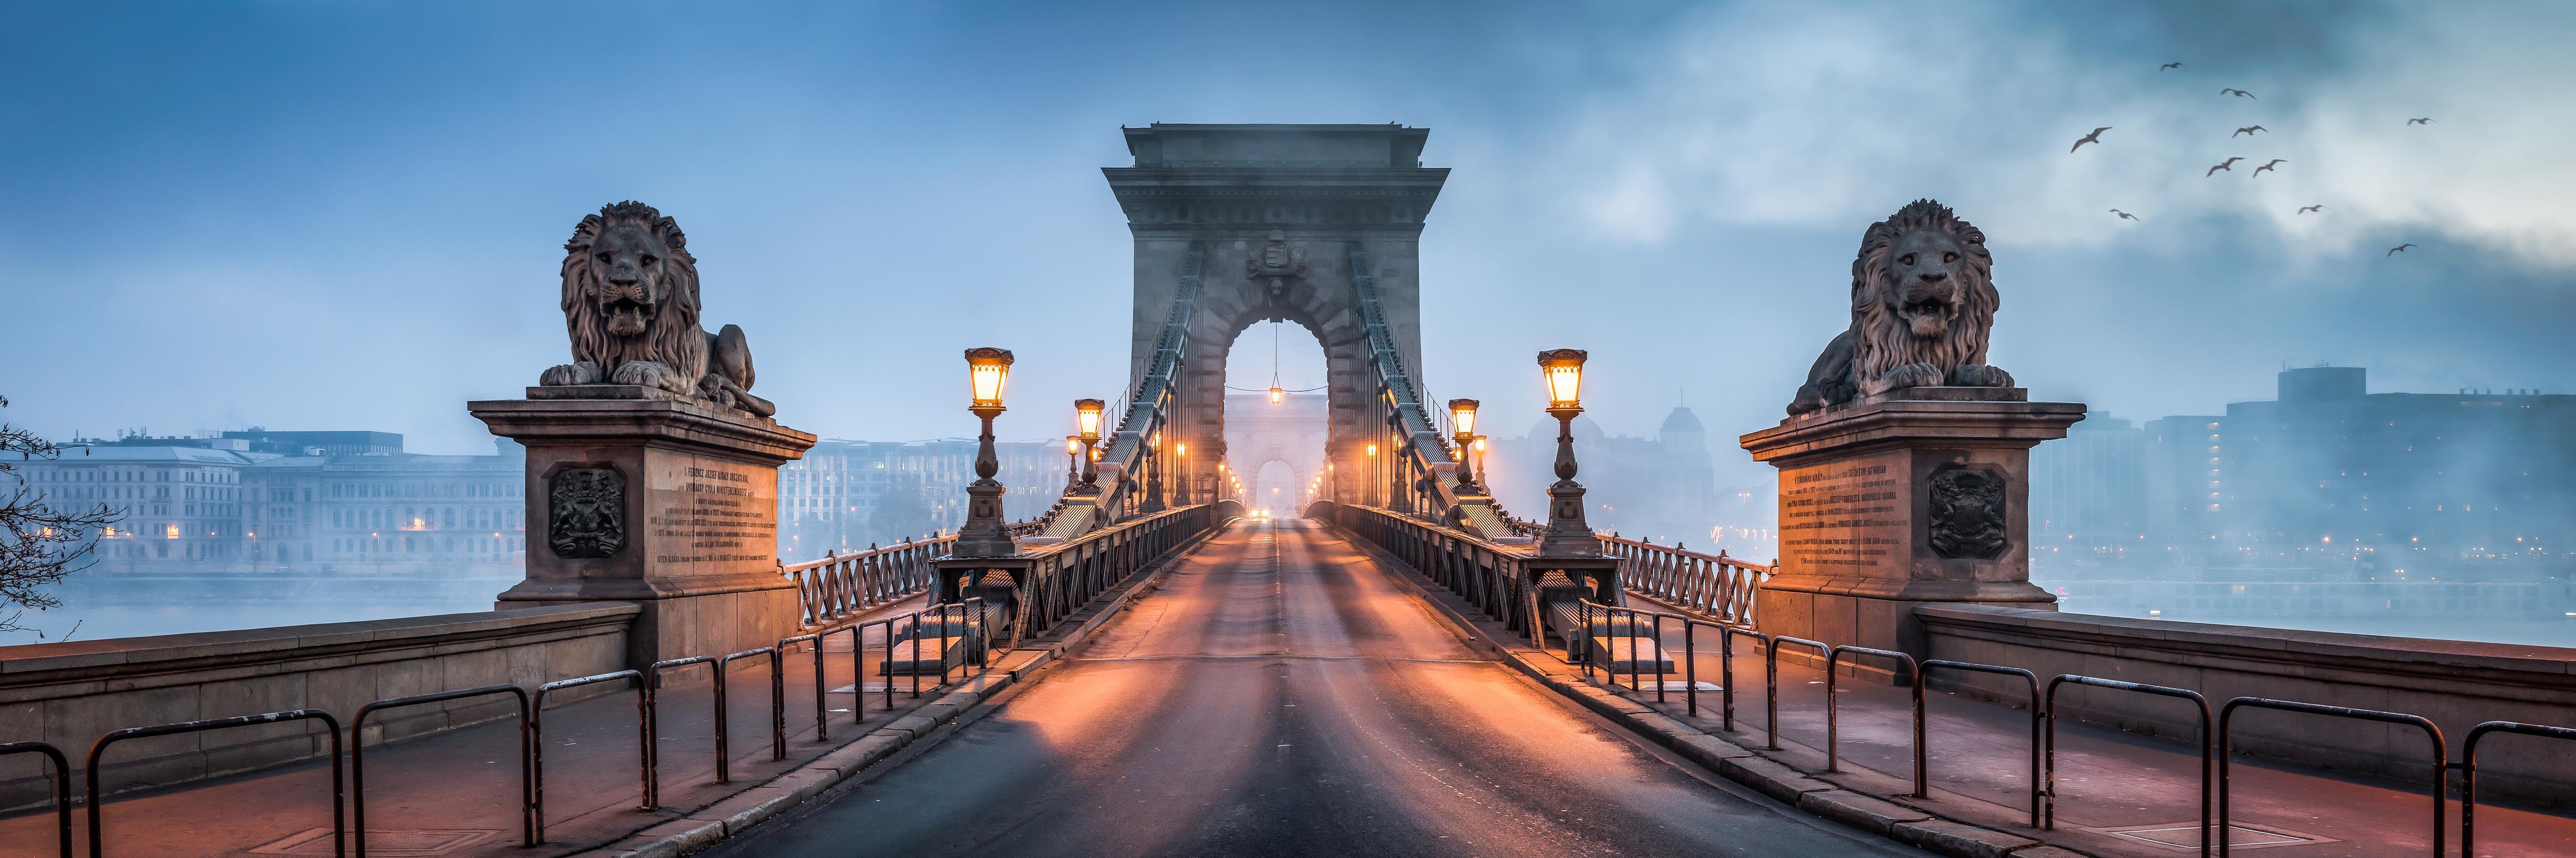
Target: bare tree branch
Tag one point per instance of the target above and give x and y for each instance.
(39, 545)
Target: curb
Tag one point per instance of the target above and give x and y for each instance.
(1737, 763)
(731, 817)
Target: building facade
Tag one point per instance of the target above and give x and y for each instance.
(848, 495)
(322, 502)
(2326, 474)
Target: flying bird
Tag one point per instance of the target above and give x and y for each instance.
(2095, 137)
(2229, 165)
(2161, 69)
(2238, 93)
(2421, 120)
(2248, 130)
(2307, 209)
(2126, 215)
(2258, 171)
(2393, 250)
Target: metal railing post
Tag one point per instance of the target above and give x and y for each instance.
(331, 726)
(2469, 772)
(537, 740)
(2208, 738)
(1923, 673)
(2227, 749)
(358, 762)
(62, 785)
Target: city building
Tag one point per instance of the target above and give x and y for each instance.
(180, 504)
(2326, 475)
(2085, 489)
(324, 502)
(848, 495)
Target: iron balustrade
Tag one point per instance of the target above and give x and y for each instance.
(838, 585)
(358, 761)
(339, 810)
(2226, 749)
(1922, 674)
(537, 739)
(2048, 813)
(1716, 585)
(62, 785)
(2469, 772)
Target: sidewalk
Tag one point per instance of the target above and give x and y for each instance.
(456, 793)
(2119, 794)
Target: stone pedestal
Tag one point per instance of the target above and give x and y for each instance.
(1916, 497)
(638, 495)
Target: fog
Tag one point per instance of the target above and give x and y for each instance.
(214, 218)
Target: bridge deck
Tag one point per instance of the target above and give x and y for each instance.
(1281, 696)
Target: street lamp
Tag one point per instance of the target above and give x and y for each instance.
(987, 370)
(1154, 472)
(1462, 422)
(1566, 535)
(1086, 415)
(1072, 464)
(1181, 494)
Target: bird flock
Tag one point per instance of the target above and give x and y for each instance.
(2229, 165)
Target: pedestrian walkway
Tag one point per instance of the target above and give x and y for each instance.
(2118, 793)
(456, 793)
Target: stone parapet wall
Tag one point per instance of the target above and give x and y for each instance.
(71, 693)
(2455, 684)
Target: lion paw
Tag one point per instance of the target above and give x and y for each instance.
(1913, 375)
(1979, 375)
(569, 374)
(645, 373)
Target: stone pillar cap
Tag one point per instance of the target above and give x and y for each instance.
(1908, 417)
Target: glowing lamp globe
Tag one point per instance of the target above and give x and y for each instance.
(1563, 369)
(988, 369)
(1462, 417)
(1086, 412)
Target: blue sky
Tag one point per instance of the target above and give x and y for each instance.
(316, 215)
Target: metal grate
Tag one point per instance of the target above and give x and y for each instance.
(382, 841)
(2185, 836)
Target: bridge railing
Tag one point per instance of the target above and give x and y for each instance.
(837, 586)
(1065, 576)
(1491, 576)
(1717, 585)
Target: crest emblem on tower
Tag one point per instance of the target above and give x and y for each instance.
(1277, 261)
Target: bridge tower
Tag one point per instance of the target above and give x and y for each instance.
(1237, 224)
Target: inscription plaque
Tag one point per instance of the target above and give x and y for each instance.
(1844, 514)
(717, 515)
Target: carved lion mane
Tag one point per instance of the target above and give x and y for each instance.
(1923, 301)
(630, 301)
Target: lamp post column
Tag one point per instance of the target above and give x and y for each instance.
(1567, 535)
(984, 534)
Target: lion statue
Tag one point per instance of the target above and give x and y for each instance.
(1923, 300)
(630, 299)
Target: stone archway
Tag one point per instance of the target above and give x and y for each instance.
(1277, 216)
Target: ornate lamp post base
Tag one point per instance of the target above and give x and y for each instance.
(984, 535)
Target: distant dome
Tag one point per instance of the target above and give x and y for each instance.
(1682, 420)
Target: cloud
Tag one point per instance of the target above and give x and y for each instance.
(1831, 117)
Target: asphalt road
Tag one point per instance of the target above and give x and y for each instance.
(1278, 695)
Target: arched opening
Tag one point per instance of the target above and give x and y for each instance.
(1277, 415)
